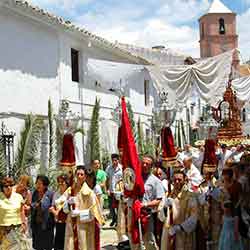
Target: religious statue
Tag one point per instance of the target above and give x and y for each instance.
(228, 115)
(67, 122)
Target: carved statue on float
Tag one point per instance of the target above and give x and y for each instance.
(228, 116)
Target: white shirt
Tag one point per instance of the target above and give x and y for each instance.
(114, 176)
(194, 178)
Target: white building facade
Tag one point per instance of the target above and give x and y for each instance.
(44, 57)
(36, 65)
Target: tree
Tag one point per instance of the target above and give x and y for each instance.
(28, 146)
(94, 133)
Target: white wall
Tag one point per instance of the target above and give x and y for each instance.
(28, 64)
(35, 65)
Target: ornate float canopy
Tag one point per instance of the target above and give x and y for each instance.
(228, 116)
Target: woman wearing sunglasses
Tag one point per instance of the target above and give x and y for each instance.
(12, 218)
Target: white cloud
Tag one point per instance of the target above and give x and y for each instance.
(183, 11)
(146, 23)
(134, 25)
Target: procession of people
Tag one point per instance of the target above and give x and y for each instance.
(191, 199)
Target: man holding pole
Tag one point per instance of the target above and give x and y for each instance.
(142, 190)
(179, 233)
(154, 192)
(179, 208)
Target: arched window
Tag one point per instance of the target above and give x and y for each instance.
(222, 29)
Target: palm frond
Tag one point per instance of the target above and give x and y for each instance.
(59, 141)
(52, 137)
(3, 163)
(28, 146)
(94, 133)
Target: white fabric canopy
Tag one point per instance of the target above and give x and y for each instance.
(111, 74)
(242, 88)
(209, 77)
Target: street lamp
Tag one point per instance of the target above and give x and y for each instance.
(163, 116)
(166, 112)
(7, 141)
(209, 125)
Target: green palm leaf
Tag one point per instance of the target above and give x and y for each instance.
(28, 147)
(94, 133)
(52, 137)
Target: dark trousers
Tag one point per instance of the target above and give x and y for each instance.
(113, 208)
(42, 239)
(59, 236)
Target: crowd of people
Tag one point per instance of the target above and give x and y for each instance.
(188, 207)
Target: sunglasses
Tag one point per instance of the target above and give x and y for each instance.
(6, 186)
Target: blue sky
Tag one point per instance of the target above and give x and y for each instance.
(172, 23)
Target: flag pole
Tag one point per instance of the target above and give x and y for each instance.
(142, 247)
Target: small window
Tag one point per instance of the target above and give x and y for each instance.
(146, 92)
(75, 65)
(222, 29)
(202, 30)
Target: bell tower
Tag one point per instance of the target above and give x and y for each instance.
(217, 30)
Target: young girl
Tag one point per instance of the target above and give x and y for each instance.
(230, 237)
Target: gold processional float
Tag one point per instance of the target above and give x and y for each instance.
(228, 117)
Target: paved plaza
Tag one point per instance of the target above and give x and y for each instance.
(108, 237)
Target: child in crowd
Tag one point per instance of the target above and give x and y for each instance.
(230, 238)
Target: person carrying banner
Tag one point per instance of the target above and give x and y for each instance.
(179, 208)
(132, 179)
